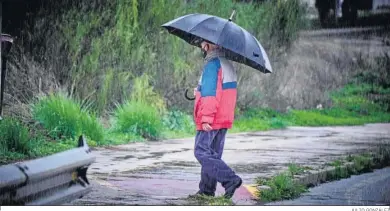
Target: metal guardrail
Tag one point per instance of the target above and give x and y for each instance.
(51, 180)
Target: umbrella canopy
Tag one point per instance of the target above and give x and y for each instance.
(240, 46)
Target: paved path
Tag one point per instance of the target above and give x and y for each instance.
(166, 172)
(371, 189)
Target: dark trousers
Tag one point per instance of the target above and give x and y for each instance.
(208, 151)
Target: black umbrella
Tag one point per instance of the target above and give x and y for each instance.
(239, 45)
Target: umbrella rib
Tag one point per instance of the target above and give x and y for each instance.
(208, 18)
(220, 34)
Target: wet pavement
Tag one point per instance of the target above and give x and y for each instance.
(166, 172)
(371, 189)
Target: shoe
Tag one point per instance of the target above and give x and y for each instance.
(229, 192)
(200, 193)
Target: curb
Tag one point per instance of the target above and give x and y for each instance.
(378, 158)
(315, 178)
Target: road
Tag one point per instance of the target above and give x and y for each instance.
(166, 172)
(371, 189)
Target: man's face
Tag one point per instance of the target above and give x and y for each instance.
(204, 48)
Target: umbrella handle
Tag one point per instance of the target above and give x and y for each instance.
(186, 95)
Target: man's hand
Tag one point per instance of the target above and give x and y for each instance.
(195, 91)
(206, 127)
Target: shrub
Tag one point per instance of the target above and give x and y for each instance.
(65, 118)
(138, 118)
(179, 121)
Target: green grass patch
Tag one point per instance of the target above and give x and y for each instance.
(17, 142)
(64, 118)
(210, 201)
(351, 106)
(138, 119)
(295, 169)
(336, 163)
(361, 163)
(282, 187)
(14, 137)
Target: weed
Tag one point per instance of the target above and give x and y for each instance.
(362, 163)
(295, 169)
(336, 163)
(338, 173)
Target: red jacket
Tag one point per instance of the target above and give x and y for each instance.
(216, 94)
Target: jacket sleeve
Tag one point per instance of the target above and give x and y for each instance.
(210, 94)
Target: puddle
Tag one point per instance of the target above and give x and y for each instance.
(161, 154)
(180, 164)
(123, 158)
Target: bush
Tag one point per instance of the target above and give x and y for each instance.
(65, 118)
(179, 121)
(138, 118)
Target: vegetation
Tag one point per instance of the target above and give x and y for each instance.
(65, 118)
(285, 186)
(282, 186)
(210, 201)
(119, 75)
(138, 118)
(62, 118)
(18, 142)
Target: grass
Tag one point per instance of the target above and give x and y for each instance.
(210, 201)
(295, 169)
(18, 142)
(138, 118)
(65, 118)
(350, 107)
(282, 186)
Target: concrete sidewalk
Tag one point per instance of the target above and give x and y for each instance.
(161, 173)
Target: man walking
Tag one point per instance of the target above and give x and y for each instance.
(214, 107)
